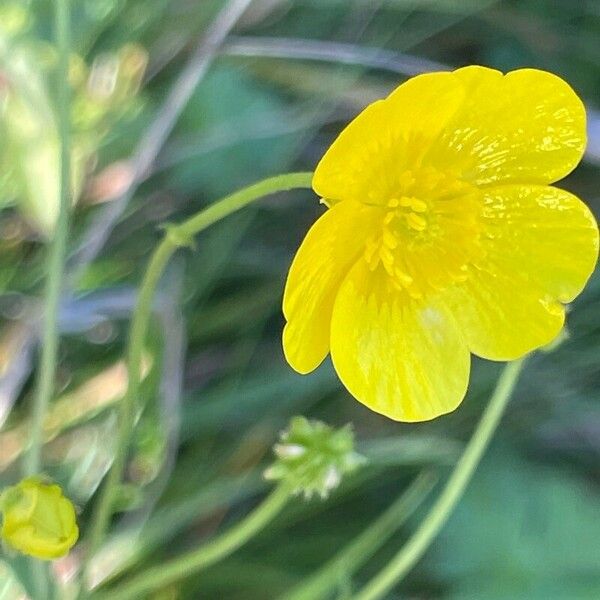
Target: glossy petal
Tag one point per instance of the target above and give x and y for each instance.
(326, 255)
(542, 233)
(527, 126)
(502, 315)
(400, 358)
(364, 162)
(540, 246)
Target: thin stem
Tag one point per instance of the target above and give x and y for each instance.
(44, 386)
(58, 245)
(332, 52)
(321, 584)
(416, 546)
(140, 320)
(177, 236)
(205, 555)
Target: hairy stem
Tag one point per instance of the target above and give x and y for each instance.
(58, 246)
(176, 236)
(44, 385)
(204, 556)
(324, 581)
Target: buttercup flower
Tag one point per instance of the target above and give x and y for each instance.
(442, 237)
(37, 519)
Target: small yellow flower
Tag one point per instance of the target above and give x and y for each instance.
(37, 519)
(443, 237)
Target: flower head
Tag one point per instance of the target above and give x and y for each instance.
(37, 519)
(443, 237)
(313, 457)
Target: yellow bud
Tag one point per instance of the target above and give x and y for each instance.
(37, 519)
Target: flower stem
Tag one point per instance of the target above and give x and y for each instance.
(204, 556)
(321, 584)
(58, 247)
(176, 236)
(44, 385)
(416, 546)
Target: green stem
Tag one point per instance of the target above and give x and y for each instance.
(416, 546)
(58, 247)
(176, 236)
(204, 556)
(44, 386)
(321, 584)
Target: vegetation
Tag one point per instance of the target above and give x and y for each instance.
(175, 104)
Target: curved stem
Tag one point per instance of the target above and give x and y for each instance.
(58, 246)
(416, 546)
(322, 583)
(204, 556)
(176, 236)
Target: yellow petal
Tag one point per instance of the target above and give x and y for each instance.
(540, 246)
(526, 126)
(543, 233)
(503, 315)
(365, 161)
(403, 359)
(328, 251)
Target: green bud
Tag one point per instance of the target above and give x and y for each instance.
(312, 457)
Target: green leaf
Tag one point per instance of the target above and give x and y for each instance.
(522, 532)
(223, 115)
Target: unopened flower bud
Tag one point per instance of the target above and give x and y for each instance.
(37, 519)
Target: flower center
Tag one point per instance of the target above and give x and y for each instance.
(429, 232)
(411, 209)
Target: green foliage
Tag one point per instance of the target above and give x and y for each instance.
(528, 527)
(532, 534)
(9, 584)
(29, 157)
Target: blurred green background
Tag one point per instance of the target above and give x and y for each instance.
(273, 94)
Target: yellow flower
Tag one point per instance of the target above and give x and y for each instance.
(443, 237)
(37, 519)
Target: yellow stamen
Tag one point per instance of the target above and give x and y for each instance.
(416, 222)
(418, 205)
(389, 239)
